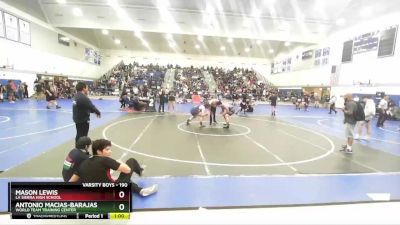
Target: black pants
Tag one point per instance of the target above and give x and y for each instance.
(82, 129)
(332, 108)
(126, 177)
(213, 110)
(161, 106)
(381, 118)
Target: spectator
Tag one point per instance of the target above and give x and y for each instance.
(25, 95)
(51, 96)
(273, 100)
(163, 98)
(332, 103)
(10, 91)
(21, 90)
(382, 107)
(171, 101)
(2, 91)
(369, 111)
(349, 122)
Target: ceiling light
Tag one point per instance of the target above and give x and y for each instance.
(61, 1)
(366, 11)
(287, 44)
(209, 9)
(256, 13)
(169, 36)
(65, 39)
(138, 34)
(199, 37)
(341, 22)
(197, 46)
(318, 6)
(246, 23)
(300, 18)
(163, 4)
(77, 11)
(222, 48)
(230, 40)
(259, 42)
(247, 49)
(105, 32)
(322, 29)
(271, 51)
(117, 41)
(285, 26)
(207, 20)
(113, 3)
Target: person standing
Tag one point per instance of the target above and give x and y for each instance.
(1, 93)
(306, 102)
(332, 103)
(21, 90)
(163, 97)
(273, 100)
(25, 90)
(369, 111)
(213, 109)
(349, 109)
(51, 96)
(81, 109)
(39, 90)
(10, 91)
(383, 107)
(171, 101)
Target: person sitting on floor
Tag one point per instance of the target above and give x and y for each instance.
(97, 169)
(243, 107)
(75, 157)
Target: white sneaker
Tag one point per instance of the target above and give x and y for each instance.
(356, 137)
(349, 151)
(149, 190)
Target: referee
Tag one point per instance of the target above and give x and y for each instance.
(81, 109)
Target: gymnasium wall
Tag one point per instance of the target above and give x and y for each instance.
(45, 54)
(365, 67)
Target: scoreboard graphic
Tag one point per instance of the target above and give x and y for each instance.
(52, 200)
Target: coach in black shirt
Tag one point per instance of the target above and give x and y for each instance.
(81, 109)
(97, 169)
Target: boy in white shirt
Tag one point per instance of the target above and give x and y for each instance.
(369, 111)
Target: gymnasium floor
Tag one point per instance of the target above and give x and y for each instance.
(260, 161)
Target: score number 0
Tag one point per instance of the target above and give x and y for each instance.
(121, 195)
